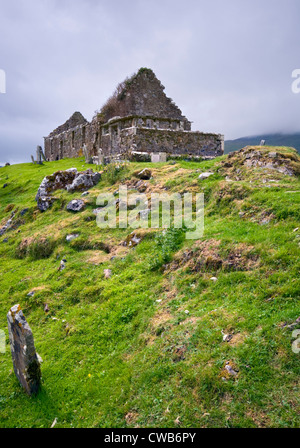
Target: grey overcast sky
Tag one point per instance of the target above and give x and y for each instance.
(226, 63)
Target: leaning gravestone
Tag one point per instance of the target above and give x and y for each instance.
(25, 359)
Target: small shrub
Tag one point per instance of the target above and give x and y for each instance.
(35, 247)
(115, 172)
(83, 243)
(166, 243)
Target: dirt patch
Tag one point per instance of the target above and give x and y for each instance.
(99, 257)
(131, 417)
(208, 256)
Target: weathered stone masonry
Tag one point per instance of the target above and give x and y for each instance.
(139, 117)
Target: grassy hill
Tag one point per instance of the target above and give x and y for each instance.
(147, 347)
(292, 140)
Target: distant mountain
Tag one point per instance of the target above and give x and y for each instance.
(292, 140)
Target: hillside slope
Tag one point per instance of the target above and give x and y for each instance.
(153, 344)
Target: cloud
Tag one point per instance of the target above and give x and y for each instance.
(227, 65)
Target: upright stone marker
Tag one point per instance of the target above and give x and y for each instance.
(158, 157)
(25, 360)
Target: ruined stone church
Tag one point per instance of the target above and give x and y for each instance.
(138, 118)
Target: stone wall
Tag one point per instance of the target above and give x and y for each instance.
(173, 142)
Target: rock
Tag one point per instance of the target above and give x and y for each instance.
(72, 236)
(7, 164)
(5, 240)
(226, 337)
(5, 185)
(8, 224)
(84, 181)
(132, 240)
(44, 202)
(46, 308)
(230, 370)
(69, 180)
(62, 265)
(296, 229)
(145, 174)
(85, 193)
(56, 181)
(40, 360)
(76, 205)
(24, 211)
(30, 294)
(54, 422)
(205, 175)
(214, 279)
(25, 361)
(107, 273)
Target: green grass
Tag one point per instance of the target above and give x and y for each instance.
(145, 347)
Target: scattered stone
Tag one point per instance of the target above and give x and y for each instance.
(25, 361)
(54, 423)
(187, 312)
(44, 202)
(293, 325)
(46, 308)
(76, 205)
(8, 224)
(132, 240)
(107, 273)
(24, 211)
(226, 337)
(213, 279)
(31, 294)
(5, 240)
(230, 370)
(62, 265)
(85, 193)
(72, 236)
(40, 359)
(205, 175)
(5, 185)
(7, 164)
(145, 174)
(296, 229)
